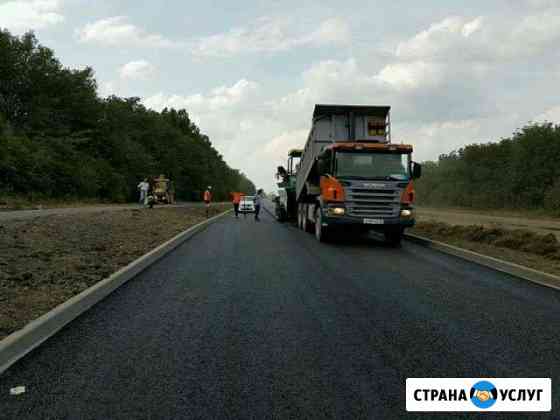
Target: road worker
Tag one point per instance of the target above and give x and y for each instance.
(143, 187)
(236, 199)
(208, 199)
(257, 200)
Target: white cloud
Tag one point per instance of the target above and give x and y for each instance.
(535, 4)
(333, 30)
(421, 91)
(412, 75)
(451, 35)
(254, 132)
(137, 70)
(106, 89)
(278, 147)
(428, 139)
(269, 35)
(551, 114)
(118, 31)
(484, 39)
(220, 98)
(23, 15)
(461, 80)
(471, 27)
(535, 33)
(240, 123)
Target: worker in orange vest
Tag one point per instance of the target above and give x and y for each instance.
(236, 199)
(208, 199)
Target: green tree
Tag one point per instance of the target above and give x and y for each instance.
(59, 139)
(518, 172)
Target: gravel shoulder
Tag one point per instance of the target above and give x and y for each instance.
(520, 246)
(491, 219)
(46, 260)
(6, 215)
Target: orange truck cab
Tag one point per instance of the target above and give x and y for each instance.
(352, 177)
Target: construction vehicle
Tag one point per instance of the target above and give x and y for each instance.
(286, 207)
(352, 178)
(163, 190)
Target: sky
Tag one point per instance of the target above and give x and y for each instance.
(250, 72)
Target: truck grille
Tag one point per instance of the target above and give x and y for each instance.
(375, 203)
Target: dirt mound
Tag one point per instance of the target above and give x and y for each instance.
(516, 239)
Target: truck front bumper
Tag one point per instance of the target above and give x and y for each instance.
(352, 220)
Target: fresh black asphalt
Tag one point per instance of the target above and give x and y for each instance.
(258, 321)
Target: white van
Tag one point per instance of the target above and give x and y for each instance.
(247, 204)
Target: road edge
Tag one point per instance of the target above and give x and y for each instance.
(525, 273)
(21, 342)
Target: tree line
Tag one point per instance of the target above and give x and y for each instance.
(60, 140)
(519, 172)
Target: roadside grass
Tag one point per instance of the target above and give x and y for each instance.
(520, 246)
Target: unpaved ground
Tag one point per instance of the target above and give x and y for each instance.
(491, 219)
(46, 260)
(30, 214)
(520, 246)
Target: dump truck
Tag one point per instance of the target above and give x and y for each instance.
(286, 208)
(352, 177)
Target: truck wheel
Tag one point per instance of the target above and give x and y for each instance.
(305, 224)
(394, 236)
(321, 232)
(280, 214)
(299, 217)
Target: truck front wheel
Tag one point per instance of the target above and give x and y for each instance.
(321, 232)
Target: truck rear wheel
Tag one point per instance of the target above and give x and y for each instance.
(305, 223)
(280, 213)
(321, 232)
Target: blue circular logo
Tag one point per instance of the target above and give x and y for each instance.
(484, 394)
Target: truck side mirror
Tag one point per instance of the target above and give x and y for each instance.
(323, 164)
(320, 165)
(416, 170)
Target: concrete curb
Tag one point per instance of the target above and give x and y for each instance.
(18, 344)
(519, 271)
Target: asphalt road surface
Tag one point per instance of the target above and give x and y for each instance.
(258, 320)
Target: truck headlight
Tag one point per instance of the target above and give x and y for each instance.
(337, 211)
(406, 213)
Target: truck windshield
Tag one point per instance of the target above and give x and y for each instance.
(367, 165)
